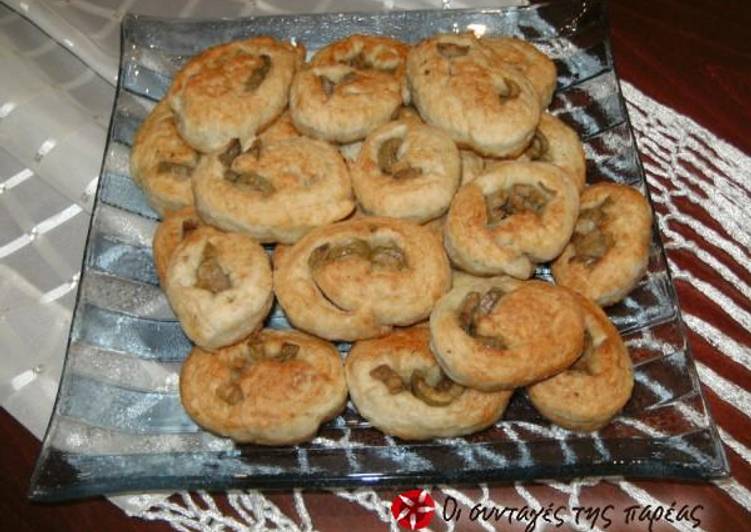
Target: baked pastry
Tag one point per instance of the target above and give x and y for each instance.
(464, 88)
(397, 385)
(168, 235)
(534, 64)
(500, 333)
(233, 91)
(510, 218)
(350, 88)
(274, 388)
(586, 396)
(219, 285)
(554, 142)
(609, 251)
(161, 162)
(356, 279)
(280, 129)
(274, 192)
(406, 170)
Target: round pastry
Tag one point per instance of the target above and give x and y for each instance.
(406, 170)
(500, 333)
(586, 396)
(233, 90)
(280, 129)
(397, 385)
(275, 192)
(356, 279)
(554, 142)
(515, 215)
(350, 88)
(161, 162)
(274, 388)
(168, 235)
(534, 64)
(609, 251)
(219, 285)
(465, 89)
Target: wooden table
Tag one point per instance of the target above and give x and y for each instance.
(691, 55)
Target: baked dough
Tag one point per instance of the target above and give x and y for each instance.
(510, 218)
(350, 88)
(609, 251)
(397, 385)
(162, 163)
(275, 192)
(233, 90)
(168, 235)
(406, 170)
(464, 88)
(586, 396)
(501, 333)
(219, 285)
(534, 64)
(274, 388)
(555, 142)
(357, 279)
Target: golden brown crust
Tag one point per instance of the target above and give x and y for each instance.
(587, 396)
(350, 87)
(464, 88)
(403, 413)
(169, 233)
(406, 170)
(513, 244)
(626, 231)
(534, 64)
(233, 90)
(533, 331)
(217, 316)
(271, 399)
(356, 279)
(305, 181)
(161, 162)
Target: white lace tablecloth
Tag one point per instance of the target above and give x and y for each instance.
(56, 93)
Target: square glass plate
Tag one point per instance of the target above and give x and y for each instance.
(118, 424)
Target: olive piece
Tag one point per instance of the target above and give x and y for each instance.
(210, 275)
(388, 154)
(495, 206)
(233, 150)
(189, 226)
(467, 311)
(489, 300)
(356, 247)
(181, 171)
(494, 342)
(259, 74)
(510, 91)
(450, 50)
(250, 180)
(408, 172)
(388, 256)
(442, 394)
(288, 352)
(389, 377)
(327, 86)
(230, 393)
(539, 148)
(318, 256)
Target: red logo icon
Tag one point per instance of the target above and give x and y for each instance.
(413, 509)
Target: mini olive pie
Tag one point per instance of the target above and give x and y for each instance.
(219, 286)
(500, 333)
(609, 250)
(586, 396)
(161, 162)
(464, 88)
(274, 388)
(274, 192)
(232, 91)
(397, 385)
(168, 235)
(357, 279)
(534, 64)
(555, 142)
(406, 169)
(513, 216)
(350, 88)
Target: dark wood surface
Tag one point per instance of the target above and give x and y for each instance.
(691, 55)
